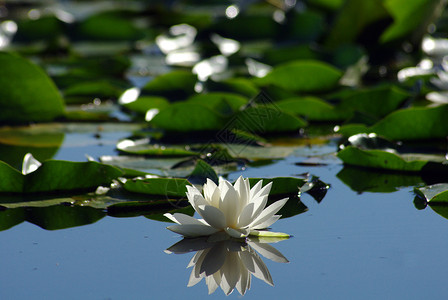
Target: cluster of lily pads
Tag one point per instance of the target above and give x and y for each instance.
(209, 91)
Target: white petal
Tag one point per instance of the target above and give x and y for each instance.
(230, 273)
(256, 266)
(181, 219)
(30, 164)
(264, 191)
(213, 216)
(211, 193)
(269, 252)
(195, 197)
(192, 230)
(237, 233)
(255, 189)
(268, 212)
(189, 245)
(244, 283)
(241, 187)
(229, 204)
(212, 284)
(246, 216)
(193, 279)
(259, 205)
(214, 260)
(267, 223)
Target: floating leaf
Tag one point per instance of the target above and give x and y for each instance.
(261, 120)
(184, 116)
(380, 159)
(303, 76)
(202, 172)
(26, 93)
(215, 101)
(421, 12)
(142, 147)
(175, 85)
(62, 216)
(353, 19)
(433, 193)
(57, 176)
(363, 180)
(313, 109)
(416, 123)
(377, 102)
(168, 187)
(145, 103)
(111, 25)
(281, 185)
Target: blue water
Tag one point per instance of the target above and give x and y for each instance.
(350, 246)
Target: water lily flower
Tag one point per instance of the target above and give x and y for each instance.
(235, 209)
(228, 263)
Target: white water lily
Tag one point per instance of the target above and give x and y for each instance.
(228, 263)
(235, 209)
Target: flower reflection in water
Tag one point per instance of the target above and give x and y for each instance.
(227, 262)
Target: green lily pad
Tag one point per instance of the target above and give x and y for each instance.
(303, 76)
(154, 209)
(110, 26)
(353, 18)
(242, 86)
(175, 85)
(84, 92)
(379, 159)
(27, 94)
(57, 176)
(217, 100)
(433, 194)
(281, 185)
(145, 103)
(201, 172)
(422, 13)
(313, 109)
(61, 216)
(142, 147)
(184, 117)
(260, 120)
(415, 123)
(363, 180)
(168, 187)
(377, 102)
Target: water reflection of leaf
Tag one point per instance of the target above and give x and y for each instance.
(228, 263)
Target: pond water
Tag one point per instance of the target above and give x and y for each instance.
(161, 74)
(350, 245)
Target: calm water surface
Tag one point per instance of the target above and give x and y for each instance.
(350, 246)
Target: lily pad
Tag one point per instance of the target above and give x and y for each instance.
(216, 101)
(303, 76)
(57, 176)
(353, 18)
(422, 12)
(143, 147)
(175, 85)
(110, 26)
(184, 116)
(416, 123)
(433, 194)
(313, 109)
(377, 102)
(27, 94)
(380, 159)
(260, 120)
(145, 103)
(168, 187)
(363, 180)
(281, 185)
